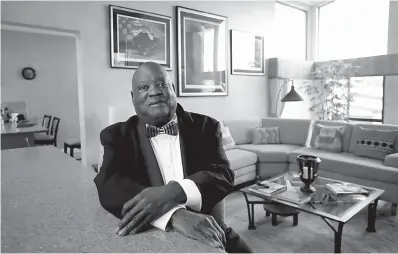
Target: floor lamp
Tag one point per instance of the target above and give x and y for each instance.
(290, 96)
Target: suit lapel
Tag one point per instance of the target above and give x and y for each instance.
(183, 129)
(152, 167)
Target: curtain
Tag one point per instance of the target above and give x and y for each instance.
(275, 85)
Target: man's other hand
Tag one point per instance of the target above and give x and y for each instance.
(150, 204)
(200, 227)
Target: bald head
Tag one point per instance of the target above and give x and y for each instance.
(153, 94)
(150, 70)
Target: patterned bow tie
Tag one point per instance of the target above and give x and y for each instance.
(170, 129)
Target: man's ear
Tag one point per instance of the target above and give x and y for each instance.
(132, 96)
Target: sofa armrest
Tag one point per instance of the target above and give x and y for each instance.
(391, 160)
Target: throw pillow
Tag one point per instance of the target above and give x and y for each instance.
(376, 144)
(329, 138)
(268, 135)
(227, 140)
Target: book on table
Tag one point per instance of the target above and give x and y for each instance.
(295, 196)
(273, 189)
(345, 189)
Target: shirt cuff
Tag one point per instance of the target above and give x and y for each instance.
(194, 197)
(162, 222)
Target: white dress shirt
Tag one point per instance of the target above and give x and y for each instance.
(168, 155)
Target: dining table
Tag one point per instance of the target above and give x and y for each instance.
(19, 135)
(49, 203)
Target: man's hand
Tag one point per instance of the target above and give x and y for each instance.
(200, 227)
(149, 205)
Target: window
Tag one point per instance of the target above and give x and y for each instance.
(291, 32)
(352, 29)
(367, 104)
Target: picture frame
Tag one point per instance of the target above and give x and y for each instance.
(137, 37)
(202, 53)
(247, 53)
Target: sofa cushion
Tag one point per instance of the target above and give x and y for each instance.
(241, 129)
(240, 158)
(357, 132)
(227, 140)
(346, 135)
(329, 138)
(265, 135)
(291, 131)
(350, 165)
(270, 152)
(391, 160)
(376, 144)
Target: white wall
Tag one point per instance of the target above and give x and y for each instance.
(104, 87)
(54, 90)
(391, 82)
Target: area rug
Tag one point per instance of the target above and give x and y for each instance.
(312, 234)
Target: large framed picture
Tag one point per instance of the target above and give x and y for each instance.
(138, 37)
(202, 53)
(247, 53)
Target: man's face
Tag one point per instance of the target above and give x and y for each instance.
(153, 95)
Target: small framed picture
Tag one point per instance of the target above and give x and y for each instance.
(247, 53)
(202, 53)
(138, 37)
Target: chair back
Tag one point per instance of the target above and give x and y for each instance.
(46, 122)
(54, 129)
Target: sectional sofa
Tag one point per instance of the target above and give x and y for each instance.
(298, 137)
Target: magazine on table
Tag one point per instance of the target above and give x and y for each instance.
(295, 196)
(345, 189)
(267, 188)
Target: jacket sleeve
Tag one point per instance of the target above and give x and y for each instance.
(114, 186)
(214, 178)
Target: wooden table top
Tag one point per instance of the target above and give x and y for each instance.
(11, 129)
(50, 204)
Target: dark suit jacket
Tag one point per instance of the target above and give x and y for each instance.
(129, 163)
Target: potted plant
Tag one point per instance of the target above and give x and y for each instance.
(329, 92)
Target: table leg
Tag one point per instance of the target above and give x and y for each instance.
(30, 139)
(65, 149)
(71, 152)
(393, 209)
(295, 220)
(337, 238)
(250, 213)
(372, 216)
(274, 219)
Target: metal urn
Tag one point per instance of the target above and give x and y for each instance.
(308, 166)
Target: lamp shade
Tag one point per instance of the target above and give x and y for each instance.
(292, 96)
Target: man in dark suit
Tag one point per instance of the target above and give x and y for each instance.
(166, 167)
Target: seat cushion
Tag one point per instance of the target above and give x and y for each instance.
(43, 137)
(270, 152)
(350, 165)
(72, 142)
(239, 158)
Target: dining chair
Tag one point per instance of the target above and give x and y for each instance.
(46, 122)
(51, 139)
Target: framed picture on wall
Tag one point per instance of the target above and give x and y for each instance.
(247, 53)
(138, 37)
(202, 53)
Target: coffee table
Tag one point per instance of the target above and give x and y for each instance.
(340, 212)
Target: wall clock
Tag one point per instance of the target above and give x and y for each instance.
(28, 73)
